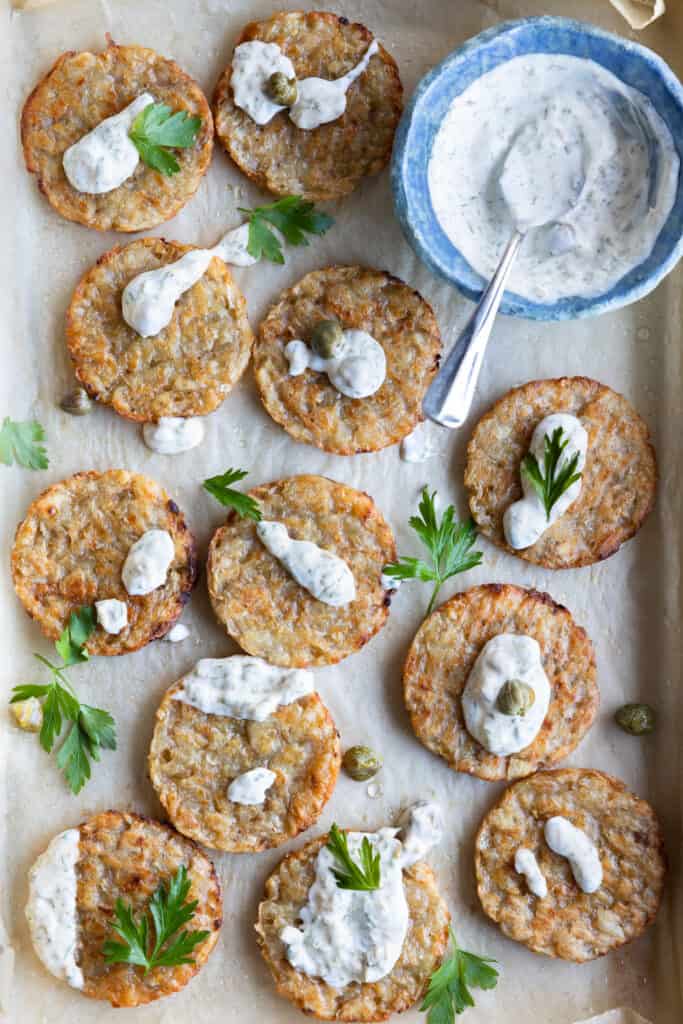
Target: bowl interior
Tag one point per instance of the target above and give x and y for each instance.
(633, 64)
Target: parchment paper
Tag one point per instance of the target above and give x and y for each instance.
(630, 604)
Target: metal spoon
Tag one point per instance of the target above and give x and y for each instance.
(541, 181)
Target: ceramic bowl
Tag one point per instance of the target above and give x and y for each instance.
(635, 65)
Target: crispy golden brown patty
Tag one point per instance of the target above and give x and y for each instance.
(126, 856)
(442, 656)
(329, 161)
(80, 91)
(423, 948)
(619, 478)
(70, 549)
(570, 923)
(261, 605)
(308, 406)
(195, 756)
(187, 369)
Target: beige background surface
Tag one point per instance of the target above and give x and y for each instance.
(630, 604)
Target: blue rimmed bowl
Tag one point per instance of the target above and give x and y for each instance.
(635, 65)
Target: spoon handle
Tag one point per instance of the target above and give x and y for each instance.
(450, 394)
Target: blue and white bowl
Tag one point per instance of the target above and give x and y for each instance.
(635, 65)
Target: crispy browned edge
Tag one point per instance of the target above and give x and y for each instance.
(209, 943)
(27, 116)
(617, 784)
(160, 629)
(279, 838)
(607, 550)
(223, 85)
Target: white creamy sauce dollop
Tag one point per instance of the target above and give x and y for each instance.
(322, 573)
(172, 435)
(525, 521)
(178, 633)
(319, 100)
(243, 687)
(147, 562)
(505, 657)
(148, 300)
(357, 369)
(609, 160)
(105, 157)
(251, 787)
(571, 842)
(420, 445)
(112, 615)
(527, 865)
(348, 935)
(51, 908)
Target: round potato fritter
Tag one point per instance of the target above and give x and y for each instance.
(187, 369)
(126, 856)
(329, 161)
(423, 949)
(80, 91)
(618, 483)
(265, 610)
(570, 923)
(70, 549)
(308, 406)
(443, 654)
(195, 756)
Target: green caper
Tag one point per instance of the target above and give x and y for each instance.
(361, 763)
(636, 719)
(282, 90)
(76, 403)
(326, 338)
(515, 698)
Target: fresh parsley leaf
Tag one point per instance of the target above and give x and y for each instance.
(295, 218)
(221, 489)
(449, 542)
(72, 640)
(449, 993)
(169, 911)
(20, 443)
(349, 875)
(91, 728)
(157, 130)
(557, 474)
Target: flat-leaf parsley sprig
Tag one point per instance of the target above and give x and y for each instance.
(157, 130)
(169, 910)
(557, 476)
(91, 728)
(222, 490)
(449, 987)
(20, 443)
(449, 542)
(292, 216)
(363, 877)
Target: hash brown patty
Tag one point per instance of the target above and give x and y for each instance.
(618, 483)
(195, 756)
(70, 549)
(185, 370)
(423, 949)
(569, 923)
(309, 407)
(126, 856)
(443, 654)
(80, 91)
(265, 610)
(329, 161)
